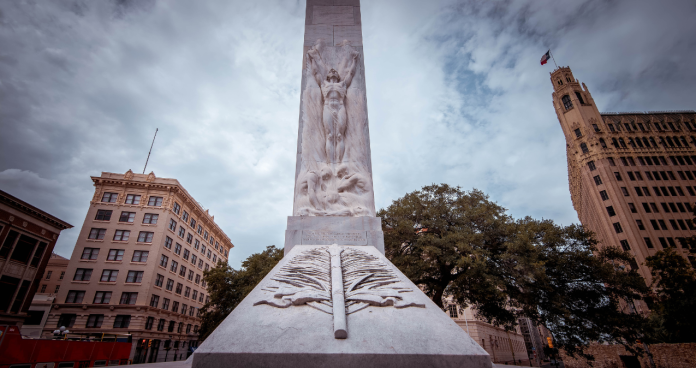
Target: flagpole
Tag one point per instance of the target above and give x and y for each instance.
(554, 60)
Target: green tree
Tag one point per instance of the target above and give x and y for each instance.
(228, 287)
(461, 245)
(674, 281)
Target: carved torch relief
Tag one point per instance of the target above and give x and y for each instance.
(335, 175)
(338, 281)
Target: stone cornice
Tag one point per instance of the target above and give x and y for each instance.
(32, 211)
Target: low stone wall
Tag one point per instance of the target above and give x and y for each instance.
(616, 356)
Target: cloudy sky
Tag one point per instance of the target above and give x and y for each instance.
(455, 95)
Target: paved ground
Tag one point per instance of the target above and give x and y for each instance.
(184, 364)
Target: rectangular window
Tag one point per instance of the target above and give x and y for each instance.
(186, 254)
(674, 224)
(168, 242)
(198, 243)
(624, 245)
(672, 192)
(123, 321)
(690, 190)
(115, 254)
(134, 277)
(198, 279)
(145, 237)
(638, 175)
(102, 297)
(654, 225)
(182, 231)
(171, 326)
(648, 243)
(172, 225)
(212, 240)
(205, 235)
(679, 191)
(671, 242)
(618, 176)
(179, 287)
(681, 207)
(193, 223)
(109, 276)
(689, 175)
(664, 191)
(150, 218)
(657, 191)
(654, 207)
(140, 256)
(175, 307)
(631, 162)
(656, 175)
(109, 197)
(190, 275)
(646, 191)
(154, 301)
(604, 195)
(200, 229)
(200, 263)
(664, 207)
(578, 134)
(154, 201)
(177, 248)
(185, 217)
(159, 280)
(597, 180)
(128, 298)
(672, 207)
(631, 176)
(189, 238)
(663, 242)
(195, 295)
(94, 320)
(75, 297)
(175, 266)
(103, 215)
(671, 175)
(203, 249)
(207, 267)
(149, 323)
(160, 324)
(132, 199)
(97, 233)
(193, 259)
(640, 225)
(617, 228)
(208, 253)
(624, 191)
(188, 327)
(638, 191)
(623, 161)
(184, 309)
(632, 208)
(170, 284)
(163, 261)
(182, 271)
(82, 274)
(648, 175)
(90, 253)
(681, 175)
(121, 235)
(165, 304)
(663, 225)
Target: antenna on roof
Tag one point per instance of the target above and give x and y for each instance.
(148, 154)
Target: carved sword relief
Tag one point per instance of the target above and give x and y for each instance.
(338, 281)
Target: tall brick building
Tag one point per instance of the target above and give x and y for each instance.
(137, 267)
(631, 174)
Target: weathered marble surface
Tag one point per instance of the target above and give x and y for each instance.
(302, 336)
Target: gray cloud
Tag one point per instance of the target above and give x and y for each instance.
(455, 94)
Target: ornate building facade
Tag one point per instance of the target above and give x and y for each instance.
(27, 238)
(137, 267)
(631, 174)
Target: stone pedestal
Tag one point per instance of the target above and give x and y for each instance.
(307, 230)
(409, 331)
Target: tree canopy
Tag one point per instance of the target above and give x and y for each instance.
(461, 245)
(674, 280)
(228, 287)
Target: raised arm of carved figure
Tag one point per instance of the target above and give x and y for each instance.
(316, 64)
(351, 68)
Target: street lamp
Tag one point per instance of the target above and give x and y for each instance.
(62, 331)
(167, 347)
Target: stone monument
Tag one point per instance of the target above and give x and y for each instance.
(334, 300)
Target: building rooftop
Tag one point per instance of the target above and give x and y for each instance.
(32, 211)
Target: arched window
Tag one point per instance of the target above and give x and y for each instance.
(602, 143)
(614, 142)
(579, 96)
(566, 102)
(684, 142)
(631, 143)
(622, 143)
(676, 141)
(652, 142)
(560, 82)
(645, 141)
(583, 147)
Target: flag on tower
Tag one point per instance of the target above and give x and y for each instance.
(546, 57)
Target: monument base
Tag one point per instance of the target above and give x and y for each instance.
(326, 230)
(388, 320)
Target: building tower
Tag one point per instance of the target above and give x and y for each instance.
(137, 267)
(631, 174)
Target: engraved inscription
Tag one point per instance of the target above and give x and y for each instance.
(330, 237)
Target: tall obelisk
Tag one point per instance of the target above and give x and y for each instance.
(334, 300)
(333, 198)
